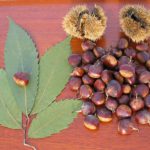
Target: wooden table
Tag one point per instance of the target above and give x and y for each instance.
(43, 21)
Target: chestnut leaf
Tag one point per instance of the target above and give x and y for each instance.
(10, 115)
(21, 56)
(54, 74)
(54, 118)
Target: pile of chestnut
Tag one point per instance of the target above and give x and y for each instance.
(113, 82)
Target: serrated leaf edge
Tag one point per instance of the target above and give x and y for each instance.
(37, 78)
(47, 52)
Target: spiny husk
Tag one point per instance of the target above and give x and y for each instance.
(70, 21)
(86, 26)
(135, 22)
(95, 24)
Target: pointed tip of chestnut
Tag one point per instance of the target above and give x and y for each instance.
(21, 78)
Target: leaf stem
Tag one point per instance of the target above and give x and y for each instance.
(25, 142)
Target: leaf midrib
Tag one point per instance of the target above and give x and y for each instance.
(25, 95)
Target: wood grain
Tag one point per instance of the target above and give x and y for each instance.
(42, 19)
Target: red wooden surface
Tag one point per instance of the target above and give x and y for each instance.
(42, 19)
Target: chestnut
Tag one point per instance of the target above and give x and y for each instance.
(111, 104)
(144, 77)
(75, 83)
(123, 60)
(87, 80)
(104, 114)
(130, 52)
(91, 122)
(142, 57)
(99, 85)
(114, 89)
(74, 60)
(126, 126)
(98, 98)
(95, 70)
(136, 103)
(87, 45)
(85, 91)
(123, 111)
(88, 108)
(99, 52)
(127, 71)
(88, 57)
(143, 117)
(21, 78)
(140, 90)
(106, 76)
(109, 61)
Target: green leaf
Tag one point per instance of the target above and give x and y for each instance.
(21, 56)
(54, 118)
(10, 115)
(54, 74)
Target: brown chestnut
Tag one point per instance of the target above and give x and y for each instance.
(104, 114)
(99, 85)
(123, 111)
(126, 126)
(114, 89)
(88, 57)
(109, 61)
(143, 117)
(87, 80)
(144, 77)
(91, 122)
(111, 104)
(85, 91)
(88, 108)
(87, 45)
(99, 52)
(98, 98)
(74, 60)
(106, 76)
(127, 71)
(75, 83)
(136, 103)
(95, 70)
(140, 90)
